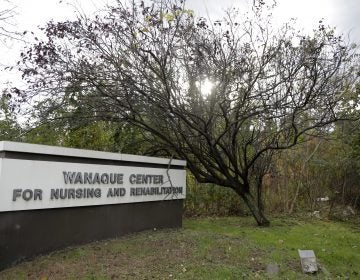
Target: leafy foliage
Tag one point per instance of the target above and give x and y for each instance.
(147, 66)
(9, 127)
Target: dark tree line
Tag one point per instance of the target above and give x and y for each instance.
(148, 66)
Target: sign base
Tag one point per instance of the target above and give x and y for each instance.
(26, 234)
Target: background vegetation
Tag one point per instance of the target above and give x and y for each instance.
(320, 169)
(320, 176)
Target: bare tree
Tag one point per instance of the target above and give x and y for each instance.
(224, 95)
(7, 14)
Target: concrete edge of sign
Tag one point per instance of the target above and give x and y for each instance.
(8, 146)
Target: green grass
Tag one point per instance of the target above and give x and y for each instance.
(207, 248)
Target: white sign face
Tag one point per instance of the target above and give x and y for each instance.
(27, 184)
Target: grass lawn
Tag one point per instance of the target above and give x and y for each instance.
(207, 248)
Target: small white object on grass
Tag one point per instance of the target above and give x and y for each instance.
(308, 261)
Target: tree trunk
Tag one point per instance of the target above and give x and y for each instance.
(259, 195)
(292, 205)
(255, 210)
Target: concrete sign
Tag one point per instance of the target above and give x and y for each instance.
(53, 197)
(28, 184)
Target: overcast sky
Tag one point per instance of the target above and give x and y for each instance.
(342, 14)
